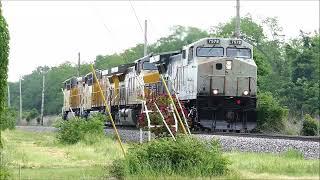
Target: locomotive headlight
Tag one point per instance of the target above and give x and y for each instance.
(228, 65)
(245, 92)
(215, 91)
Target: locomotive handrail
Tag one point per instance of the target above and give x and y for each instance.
(108, 110)
(177, 97)
(174, 106)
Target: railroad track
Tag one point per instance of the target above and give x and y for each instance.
(249, 135)
(267, 136)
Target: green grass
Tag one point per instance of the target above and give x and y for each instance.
(60, 173)
(279, 166)
(40, 156)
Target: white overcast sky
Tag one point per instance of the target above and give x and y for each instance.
(49, 33)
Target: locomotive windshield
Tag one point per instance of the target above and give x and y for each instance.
(209, 51)
(149, 66)
(239, 52)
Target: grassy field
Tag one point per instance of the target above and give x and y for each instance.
(38, 156)
(33, 155)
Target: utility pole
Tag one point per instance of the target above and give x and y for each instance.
(145, 52)
(9, 95)
(237, 30)
(78, 64)
(20, 100)
(42, 101)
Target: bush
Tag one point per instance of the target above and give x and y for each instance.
(76, 129)
(271, 116)
(310, 127)
(8, 119)
(29, 115)
(186, 157)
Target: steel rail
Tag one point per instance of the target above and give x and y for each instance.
(265, 136)
(246, 135)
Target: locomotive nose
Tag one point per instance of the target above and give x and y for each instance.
(228, 77)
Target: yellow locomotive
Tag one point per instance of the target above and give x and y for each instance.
(123, 87)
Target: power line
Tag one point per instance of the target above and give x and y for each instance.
(96, 10)
(110, 32)
(135, 14)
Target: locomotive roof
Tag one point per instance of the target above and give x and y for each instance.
(222, 41)
(162, 57)
(118, 69)
(69, 79)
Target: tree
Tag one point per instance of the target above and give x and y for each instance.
(302, 92)
(4, 53)
(271, 115)
(251, 32)
(179, 37)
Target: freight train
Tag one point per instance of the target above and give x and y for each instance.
(215, 78)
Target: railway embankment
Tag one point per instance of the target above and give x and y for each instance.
(309, 149)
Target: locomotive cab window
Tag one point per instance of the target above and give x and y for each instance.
(183, 54)
(122, 77)
(149, 66)
(190, 54)
(73, 82)
(68, 85)
(89, 79)
(239, 52)
(210, 51)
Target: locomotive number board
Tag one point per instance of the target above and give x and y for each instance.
(213, 41)
(235, 42)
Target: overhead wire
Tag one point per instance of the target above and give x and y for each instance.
(135, 14)
(109, 31)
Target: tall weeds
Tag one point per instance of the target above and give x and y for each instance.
(185, 157)
(76, 129)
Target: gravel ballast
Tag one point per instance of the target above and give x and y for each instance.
(309, 149)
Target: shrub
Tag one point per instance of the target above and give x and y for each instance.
(8, 119)
(76, 129)
(29, 115)
(310, 126)
(186, 157)
(38, 120)
(271, 116)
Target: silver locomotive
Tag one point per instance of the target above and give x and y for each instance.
(217, 80)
